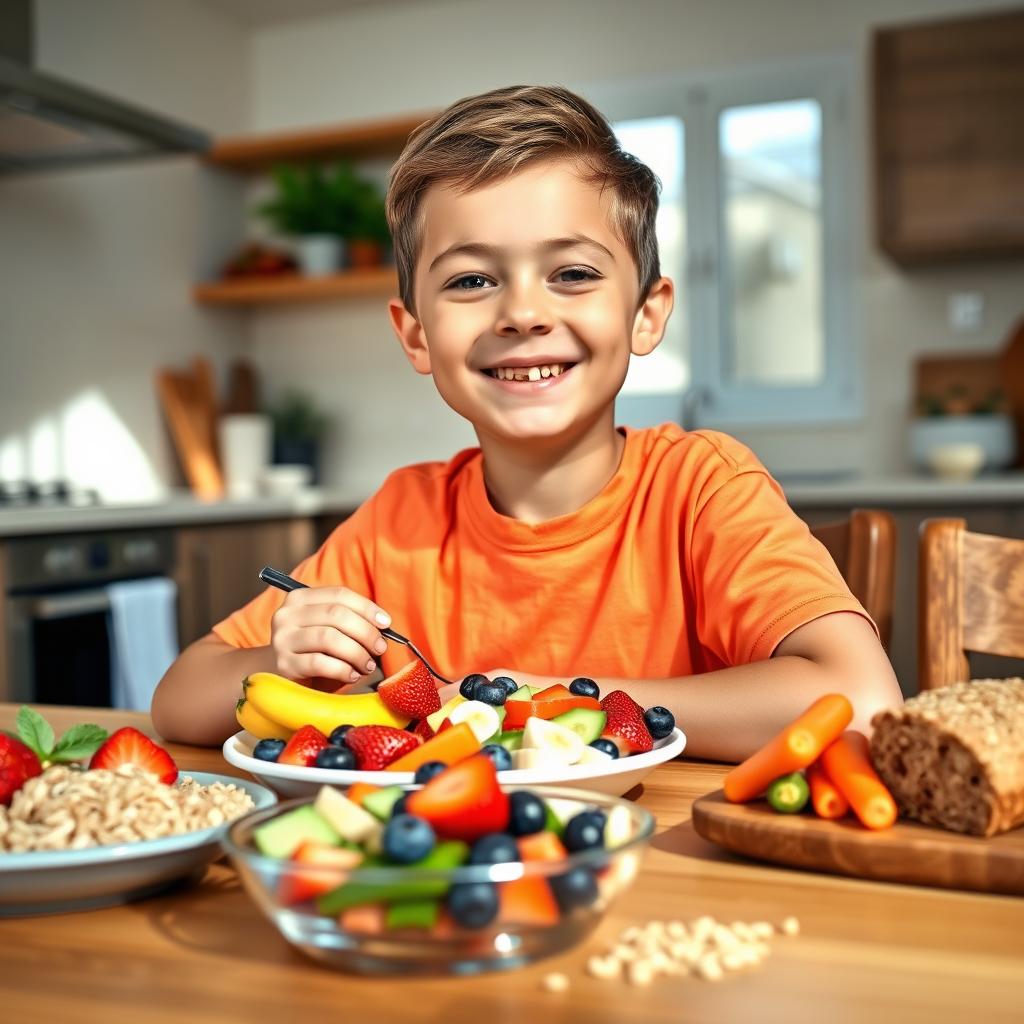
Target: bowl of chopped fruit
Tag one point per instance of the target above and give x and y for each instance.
(460, 874)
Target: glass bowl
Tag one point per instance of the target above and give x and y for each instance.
(357, 939)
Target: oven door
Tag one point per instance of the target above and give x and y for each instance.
(60, 648)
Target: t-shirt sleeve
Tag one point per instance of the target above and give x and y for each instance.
(757, 572)
(345, 559)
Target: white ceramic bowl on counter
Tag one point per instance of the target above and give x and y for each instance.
(994, 434)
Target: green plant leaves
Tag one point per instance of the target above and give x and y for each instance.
(78, 743)
(35, 732)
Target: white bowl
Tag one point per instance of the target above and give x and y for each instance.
(957, 461)
(611, 777)
(995, 434)
(285, 479)
(56, 881)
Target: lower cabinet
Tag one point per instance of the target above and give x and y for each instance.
(218, 567)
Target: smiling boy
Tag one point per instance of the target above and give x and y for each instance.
(662, 562)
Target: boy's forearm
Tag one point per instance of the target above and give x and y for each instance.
(195, 700)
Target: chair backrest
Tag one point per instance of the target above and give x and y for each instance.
(970, 598)
(864, 550)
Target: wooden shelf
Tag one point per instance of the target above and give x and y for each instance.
(251, 154)
(260, 291)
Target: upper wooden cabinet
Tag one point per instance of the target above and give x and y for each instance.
(949, 139)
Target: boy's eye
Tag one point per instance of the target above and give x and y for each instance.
(469, 282)
(574, 275)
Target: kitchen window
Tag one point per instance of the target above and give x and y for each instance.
(754, 228)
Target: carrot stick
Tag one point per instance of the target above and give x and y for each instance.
(800, 743)
(849, 766)
(827, 801)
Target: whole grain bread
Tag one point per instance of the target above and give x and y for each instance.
(955, 756)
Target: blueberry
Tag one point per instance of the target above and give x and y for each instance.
(508, 682)
(526, 813)
(494, 848)
(490, 693)
(398, 807)
(428, 770)
(468, 684)
(336, 757)
(660, 722)
(576, 888)
(337, 737)
(606, 746)
(585, 831)
(583, 686)
(407, 838)
(268, 750)
(473, 904)
(501, 758)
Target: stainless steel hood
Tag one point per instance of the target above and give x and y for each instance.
(48, 122)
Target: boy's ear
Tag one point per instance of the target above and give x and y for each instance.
(410, 336)
(651, 317)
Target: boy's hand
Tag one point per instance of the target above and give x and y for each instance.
(327, 632)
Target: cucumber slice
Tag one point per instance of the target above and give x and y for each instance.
(413, 914)
(523, 693)
(281, 837)
(587, 723)
(381, 802)
(445, 856)
(511, 740)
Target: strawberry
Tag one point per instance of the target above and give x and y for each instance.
(625, 726)
(411, 691)
(464, 802)
(376, 746)
(18, 764)
(302, 748)
(423, 730)
(129, 746)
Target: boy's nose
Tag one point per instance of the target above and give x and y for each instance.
(523, 312)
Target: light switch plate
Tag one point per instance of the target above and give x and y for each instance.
(966, 311)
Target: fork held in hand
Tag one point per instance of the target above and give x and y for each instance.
(284, 582)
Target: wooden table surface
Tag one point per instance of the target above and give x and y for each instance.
(866, 952)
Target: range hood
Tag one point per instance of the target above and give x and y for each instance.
(48, 122)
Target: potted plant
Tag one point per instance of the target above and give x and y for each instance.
(370, 238)
(318, 208)
(298, 427)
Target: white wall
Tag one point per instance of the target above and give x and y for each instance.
(97, 262)
(404, 57)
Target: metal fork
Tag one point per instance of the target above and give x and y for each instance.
(287, 583)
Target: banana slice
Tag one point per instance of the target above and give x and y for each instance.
(482, 718)
(567, 745)
(618, 827)
(591, 755)
(434, 720)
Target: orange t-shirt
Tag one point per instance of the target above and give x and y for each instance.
(688, 560)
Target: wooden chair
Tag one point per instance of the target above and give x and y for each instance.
(970, 598)
(864, 550)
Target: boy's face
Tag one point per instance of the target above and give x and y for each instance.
(527, 304)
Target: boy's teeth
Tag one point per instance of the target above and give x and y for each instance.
(532, 373)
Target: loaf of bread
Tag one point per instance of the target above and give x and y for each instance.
(954, 756)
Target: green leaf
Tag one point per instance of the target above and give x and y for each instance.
(78, 743)
(35, 732)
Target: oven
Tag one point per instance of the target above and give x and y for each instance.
(58, 609)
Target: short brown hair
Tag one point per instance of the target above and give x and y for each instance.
(483, 138)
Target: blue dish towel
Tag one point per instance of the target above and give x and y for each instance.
(143, 638)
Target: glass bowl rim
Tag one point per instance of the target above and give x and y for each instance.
(506, 871)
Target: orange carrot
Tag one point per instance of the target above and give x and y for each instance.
(800, 743)
(449, 746)
(827, 801)
(848, 765)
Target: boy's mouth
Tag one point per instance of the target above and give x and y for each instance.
(542, 371)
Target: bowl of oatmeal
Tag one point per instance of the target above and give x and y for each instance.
(77, 839)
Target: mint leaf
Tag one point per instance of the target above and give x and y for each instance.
(78, 743)
(35, 732)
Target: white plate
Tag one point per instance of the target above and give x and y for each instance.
(611, 777)
(55, 881)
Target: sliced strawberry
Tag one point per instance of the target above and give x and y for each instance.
(302, 748)
(411, 691)
(376, 746)
(423, 730)
(464, 802)
(313, 869)
(18, 764)
(518, 711)
(129, 746)
(625, 726)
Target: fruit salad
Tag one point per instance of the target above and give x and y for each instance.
(404, 727)
(461, 817)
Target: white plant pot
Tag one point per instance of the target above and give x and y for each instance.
(994, 434)
(319, 255)
(245, 440)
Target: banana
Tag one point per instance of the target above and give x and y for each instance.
(258, 725)
(294, 705)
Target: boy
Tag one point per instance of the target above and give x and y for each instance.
(661, 562)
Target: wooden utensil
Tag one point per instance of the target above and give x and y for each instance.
(190, 434)
(907, 852)
(284, 582)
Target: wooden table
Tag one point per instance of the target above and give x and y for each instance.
(867, 951)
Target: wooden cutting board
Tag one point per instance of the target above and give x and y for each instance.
(907, 852)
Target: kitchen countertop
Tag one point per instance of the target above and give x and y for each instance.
(181, 509)
(204, 952)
